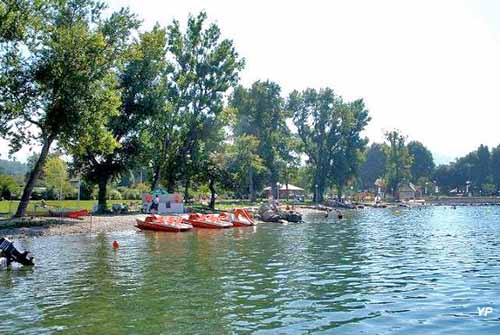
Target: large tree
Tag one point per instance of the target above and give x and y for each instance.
(495, 166)
(373, 165)
(58, 78)
(205, 67)
(245, 162)
(142, 84)
(330, 133)
(261, 114)
(482, 171)
(423, 163)
(56, 176)
(399, 160)
(346, 161)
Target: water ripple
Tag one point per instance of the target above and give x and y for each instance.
(376, 271)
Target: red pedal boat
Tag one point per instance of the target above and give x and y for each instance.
(210, 221)
(166, 223)
(240, 218)
(68, 213)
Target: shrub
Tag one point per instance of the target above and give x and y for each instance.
(114, 194)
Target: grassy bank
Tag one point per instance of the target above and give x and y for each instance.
(9, 207)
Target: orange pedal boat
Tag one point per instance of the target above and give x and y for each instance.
(208, 221)
(163, 223)
(240, 218)
(68, 213)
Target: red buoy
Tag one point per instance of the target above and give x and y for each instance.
(115, 244)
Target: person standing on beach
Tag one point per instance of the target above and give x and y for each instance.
(155, 205)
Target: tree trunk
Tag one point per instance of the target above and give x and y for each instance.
(274, 184)
(30, 184)
(102, 198)
(157, 168)
(211, 186)
(171, 184)
(339, 193)
(186, 189)
(318, 191)
(156, 177)
(251, 187)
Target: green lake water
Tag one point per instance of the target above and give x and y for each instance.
(377, 271)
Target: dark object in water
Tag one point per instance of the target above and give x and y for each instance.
(339, 215)
(8, 251)
(292, 216)
(339, 204)
(268, 214)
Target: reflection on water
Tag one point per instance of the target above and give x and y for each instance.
(376, 271)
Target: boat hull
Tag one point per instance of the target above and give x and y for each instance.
(210, 225)
(162, 227)
(72, 214)
(207, 222)
(240, 218)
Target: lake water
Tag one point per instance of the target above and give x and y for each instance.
(377, 271)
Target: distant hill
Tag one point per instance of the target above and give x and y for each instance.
(13, 168)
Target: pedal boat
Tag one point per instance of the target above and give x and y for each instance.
(240, 218)
(163, 223)
(208, 221)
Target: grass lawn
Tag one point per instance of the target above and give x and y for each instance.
(7, 207)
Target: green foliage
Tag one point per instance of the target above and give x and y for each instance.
(57, 78)
(9, 188)
(260, 113)
(398, 162)
(330, 133)
(204, 67)
(480, 168)
(56, 177)
(115, 194)
(422, 162)
(495, 166)
(12, 168)
(488, 189)
(244, 162)
(373, 165)
(141, 70)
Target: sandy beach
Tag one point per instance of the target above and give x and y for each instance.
(90, 224)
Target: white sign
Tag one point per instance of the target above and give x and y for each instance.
(169, 203)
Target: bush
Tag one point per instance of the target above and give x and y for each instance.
(8, 187)
(114, 194)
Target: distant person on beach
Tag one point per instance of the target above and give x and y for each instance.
(154, 206)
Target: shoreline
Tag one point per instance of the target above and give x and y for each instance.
(44, 226)
(95, 224)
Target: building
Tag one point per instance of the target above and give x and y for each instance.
(292, 190)
(406, 191)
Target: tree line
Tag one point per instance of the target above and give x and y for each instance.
(396, 161)
(477, 172)
(115, 98)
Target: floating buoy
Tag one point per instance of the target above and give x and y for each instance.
(115, 244)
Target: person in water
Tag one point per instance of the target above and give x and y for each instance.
(9, 254)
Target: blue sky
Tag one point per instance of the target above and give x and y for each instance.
(428, 68)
